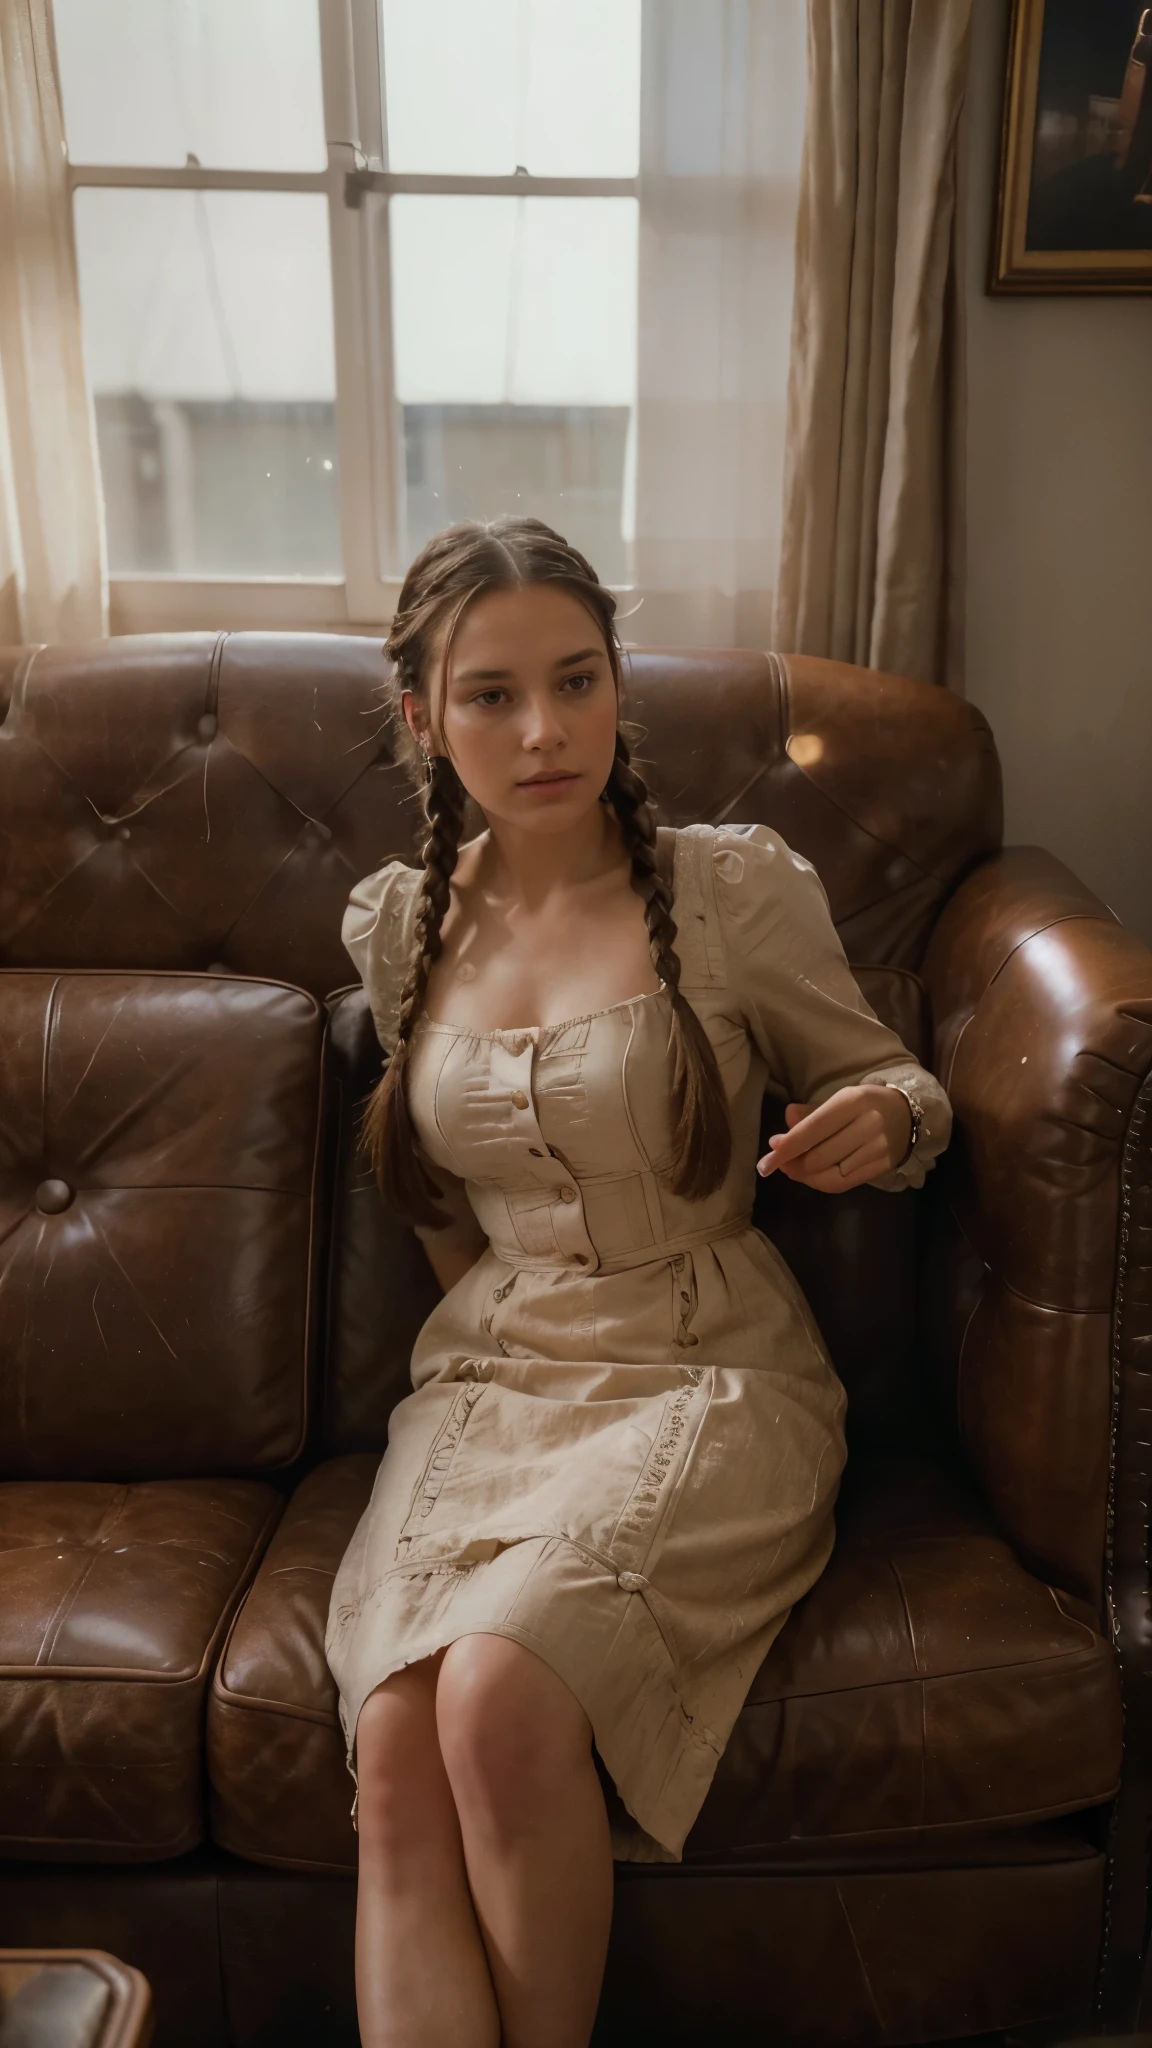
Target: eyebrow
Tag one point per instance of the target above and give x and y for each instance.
(501, 675)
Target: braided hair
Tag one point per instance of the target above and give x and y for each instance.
(460, 564)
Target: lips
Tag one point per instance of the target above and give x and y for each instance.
(542, 781)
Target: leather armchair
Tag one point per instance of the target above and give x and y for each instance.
(931, 1819)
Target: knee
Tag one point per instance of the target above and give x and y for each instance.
(512, 1736)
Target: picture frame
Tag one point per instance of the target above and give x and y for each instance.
(1074, 201)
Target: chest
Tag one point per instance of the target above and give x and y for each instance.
(534, 970)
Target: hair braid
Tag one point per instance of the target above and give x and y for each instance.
(702, 1129)
(388, 1130)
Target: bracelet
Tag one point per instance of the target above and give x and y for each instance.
(916, 1108)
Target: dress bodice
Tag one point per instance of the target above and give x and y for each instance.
(560, 1136)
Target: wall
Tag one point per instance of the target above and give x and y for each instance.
(1060, 544)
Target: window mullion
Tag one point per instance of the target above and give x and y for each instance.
(369, 431)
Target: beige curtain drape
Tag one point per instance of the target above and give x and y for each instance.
(721, 135)
(53, 581)
(872, 554)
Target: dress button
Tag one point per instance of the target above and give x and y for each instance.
(519, 1098)
(567, 1194)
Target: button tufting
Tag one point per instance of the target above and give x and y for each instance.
(123, 831)
(567, 1194)
(52, 1196)
(520, 1100)
(206, 727)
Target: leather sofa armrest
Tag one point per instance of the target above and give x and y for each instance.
(1043, 1216)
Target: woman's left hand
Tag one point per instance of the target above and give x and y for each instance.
(858, 1135)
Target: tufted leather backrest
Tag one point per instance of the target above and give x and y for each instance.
(203, 800)
(159, 1175)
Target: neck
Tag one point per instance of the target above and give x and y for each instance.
(532, 866)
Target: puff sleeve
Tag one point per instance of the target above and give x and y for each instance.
(796, 992)
(377, 932)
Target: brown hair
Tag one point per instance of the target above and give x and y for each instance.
(457, 566)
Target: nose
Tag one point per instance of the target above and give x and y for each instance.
(543, 725)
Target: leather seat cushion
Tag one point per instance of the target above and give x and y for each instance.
(113, 1604)
(927, 1687)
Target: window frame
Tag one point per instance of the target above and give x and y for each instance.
(357, 184)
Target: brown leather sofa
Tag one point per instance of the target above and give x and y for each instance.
(932, 1819)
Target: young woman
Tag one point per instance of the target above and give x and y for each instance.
(617, 1470)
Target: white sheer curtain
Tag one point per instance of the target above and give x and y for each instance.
(53, 583)
(722, 121)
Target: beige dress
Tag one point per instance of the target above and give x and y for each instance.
(625, 1439)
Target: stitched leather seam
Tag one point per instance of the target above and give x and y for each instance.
(896, 1835)
(1058, 1660)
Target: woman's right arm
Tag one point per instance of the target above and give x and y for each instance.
(377, 933)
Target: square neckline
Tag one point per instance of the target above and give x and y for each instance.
(532, 1030)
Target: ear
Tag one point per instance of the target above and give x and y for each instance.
(412, 714)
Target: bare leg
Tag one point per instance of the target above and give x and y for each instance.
(422, 1976)
(517, 1747)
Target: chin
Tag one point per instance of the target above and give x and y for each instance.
(547, 813)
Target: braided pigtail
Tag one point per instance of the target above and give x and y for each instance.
(387, 1131)
(702, 1128)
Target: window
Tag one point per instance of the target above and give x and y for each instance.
(349, 270)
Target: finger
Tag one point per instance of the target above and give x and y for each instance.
(876, 1156)
(832, 1116)
(837, 1183)
(839, 1149)
(794, 1112)
(863, 1166)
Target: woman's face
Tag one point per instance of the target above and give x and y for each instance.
(529, 707)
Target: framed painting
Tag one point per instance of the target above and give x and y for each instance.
(1074, 210)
